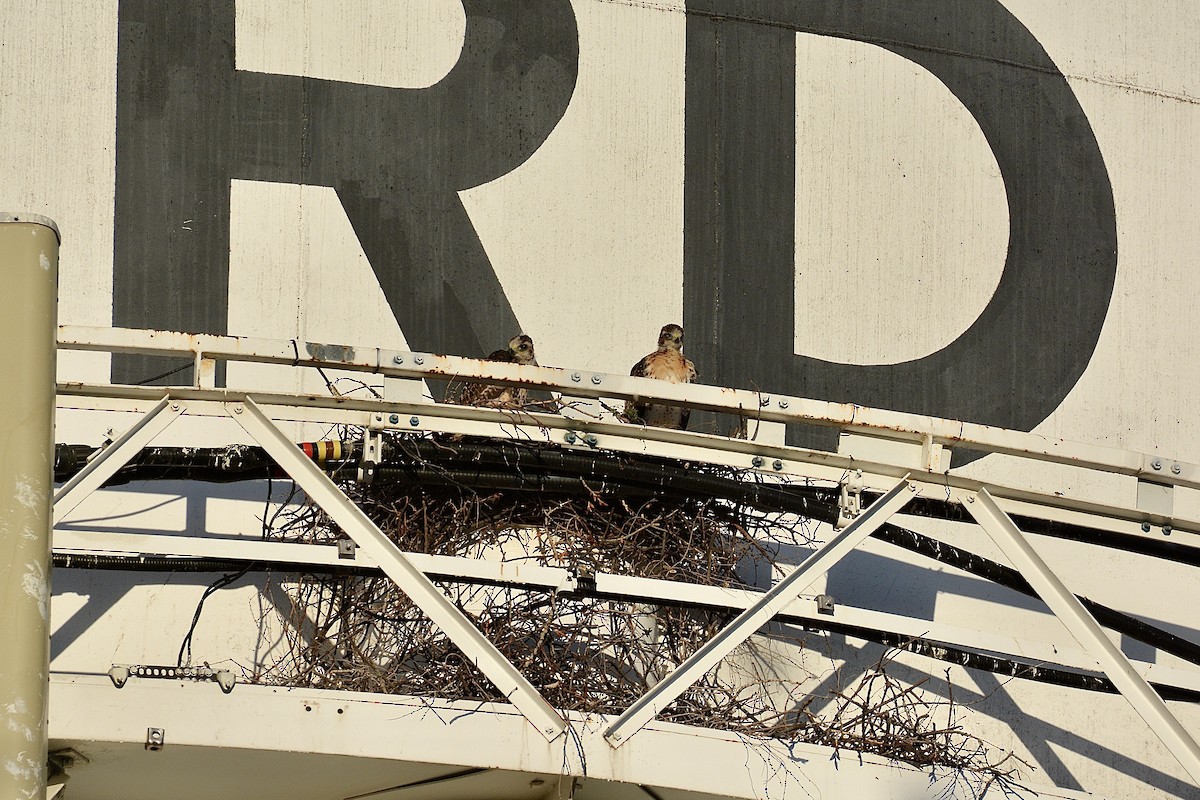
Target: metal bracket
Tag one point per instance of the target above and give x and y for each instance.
(850, 499)
(204, 374)
(1155, 498)
(935, 456)
(585, 580)
(120, 674)
(371, 456)
(156, 739)
(58, 766)
(825, 604)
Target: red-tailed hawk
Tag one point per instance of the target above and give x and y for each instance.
(520, 351)
(667, 363)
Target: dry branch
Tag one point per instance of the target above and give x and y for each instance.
(588, 654)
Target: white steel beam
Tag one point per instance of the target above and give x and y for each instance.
(1000, 527)
(79, 542)
(746, 403)
(106, 462)
(620, 588)
(753, 618)
(369, 729)
(636, 439)
(456, 625)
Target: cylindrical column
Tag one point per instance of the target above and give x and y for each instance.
(28, 328)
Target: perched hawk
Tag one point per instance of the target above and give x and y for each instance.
(665, 364)
(520, 351)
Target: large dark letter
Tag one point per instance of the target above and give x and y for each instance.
(188, 123)
(1018, 360)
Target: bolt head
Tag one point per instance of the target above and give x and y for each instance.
(397, 359)
(419, 360)
(591, 439)
(765, 400)
(237, 409)
(414, 421)
(777, 464)
(1156, 463)
(394, 418)
(1145, 527)
(1167, 530)
(756, 461)
(783, 403)
(570, 437)
(1176, 468)
(575, 376)
(596, 379)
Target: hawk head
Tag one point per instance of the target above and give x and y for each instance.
(671, 336)
(521, 348)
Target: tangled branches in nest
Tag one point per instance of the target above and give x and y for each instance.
(882, 715)
(528, 503)
(585, 653)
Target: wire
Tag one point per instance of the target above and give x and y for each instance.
(1008, 665)
(217, 585)
(166, 374)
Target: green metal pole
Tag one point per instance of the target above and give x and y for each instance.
(28, 327)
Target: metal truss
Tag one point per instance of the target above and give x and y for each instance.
(759, 614)
(75, 545)
(114, 456)
(453, 622)
(903, 454)
(1086, 630)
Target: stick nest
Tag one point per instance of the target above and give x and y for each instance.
(584, 653)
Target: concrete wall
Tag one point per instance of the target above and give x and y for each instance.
(975, 210)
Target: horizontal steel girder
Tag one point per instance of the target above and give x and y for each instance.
(577, 383)
(621, 588)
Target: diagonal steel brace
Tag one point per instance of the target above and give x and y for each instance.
(456, 625)
(757, 615)
(1083, 626)
(106, 463)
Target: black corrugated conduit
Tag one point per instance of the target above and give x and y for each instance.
(1009, 666)
(515, 466)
